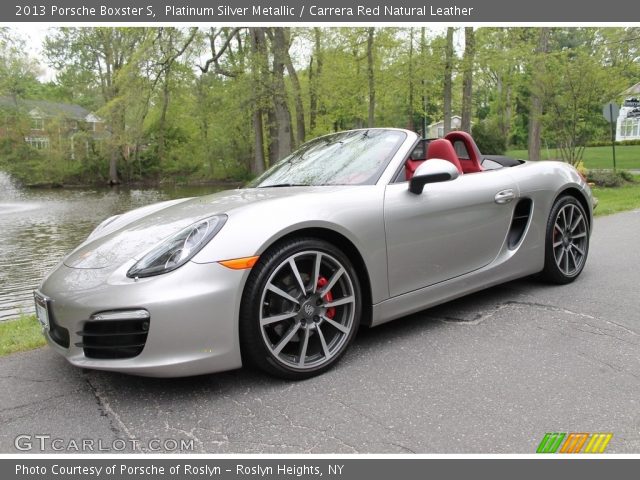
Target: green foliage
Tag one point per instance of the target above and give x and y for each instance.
(173, 117)
(20, 335)
(627, 156)
(607, 143)
(618, 199)
(609, 178)
(489, 138)
(576, 87)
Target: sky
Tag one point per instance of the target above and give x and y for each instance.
(34, 35)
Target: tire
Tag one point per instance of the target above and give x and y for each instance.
(566, 241)
(295, 334)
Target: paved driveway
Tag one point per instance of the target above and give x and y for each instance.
(489, 373)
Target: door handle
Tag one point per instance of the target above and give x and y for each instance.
(505, 196)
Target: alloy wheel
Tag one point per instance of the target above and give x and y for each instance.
(307, 310)
(570, 237)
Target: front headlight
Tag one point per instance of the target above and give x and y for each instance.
(177, 249)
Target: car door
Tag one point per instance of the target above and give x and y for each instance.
(451, 228)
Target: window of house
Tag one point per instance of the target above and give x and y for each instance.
(37, 123)
(39, 143)
(627, 128)
(634, 132)
(440, 132)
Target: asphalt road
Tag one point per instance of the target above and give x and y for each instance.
(491, 373)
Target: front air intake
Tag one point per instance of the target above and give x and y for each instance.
(115, 335)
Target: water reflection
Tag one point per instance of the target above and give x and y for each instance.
(38, 227)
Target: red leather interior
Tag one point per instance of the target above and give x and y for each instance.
(410, 167)
(443, 149)
(471, 165)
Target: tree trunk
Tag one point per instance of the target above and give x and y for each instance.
(162, 122)
(448, 70)
(371, 77)
(280, 118)
(467, 77)
(258, 49)
(537, 100)
(411, 87)
(297, 91)
(423, 56)
(314, 78)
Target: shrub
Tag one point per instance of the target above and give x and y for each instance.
(489, 138)
(609, 178)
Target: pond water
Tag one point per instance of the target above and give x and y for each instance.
(40, 226)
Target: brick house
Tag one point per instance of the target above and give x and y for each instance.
(67, 125)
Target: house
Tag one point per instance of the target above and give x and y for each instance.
(628, 122)
(436, 130)
(55, 122)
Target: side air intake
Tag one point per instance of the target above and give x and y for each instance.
(521, 216)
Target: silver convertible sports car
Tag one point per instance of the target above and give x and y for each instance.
(354, 228)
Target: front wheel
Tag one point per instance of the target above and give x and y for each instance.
(300, 309)
(566, 241)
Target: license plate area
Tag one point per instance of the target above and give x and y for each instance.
(42, 310)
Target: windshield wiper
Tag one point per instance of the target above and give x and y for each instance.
(277, 185)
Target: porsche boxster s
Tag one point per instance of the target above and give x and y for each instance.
(353, 229)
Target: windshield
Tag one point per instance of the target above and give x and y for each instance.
(347, 158)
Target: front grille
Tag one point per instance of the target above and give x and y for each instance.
(112, 335)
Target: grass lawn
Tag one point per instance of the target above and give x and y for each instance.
(627, 156)
(612, 200)
(20, 335)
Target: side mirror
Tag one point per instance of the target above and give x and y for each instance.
(432, 171)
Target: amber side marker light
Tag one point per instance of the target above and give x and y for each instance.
(240, 263)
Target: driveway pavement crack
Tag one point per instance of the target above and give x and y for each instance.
(115, 422)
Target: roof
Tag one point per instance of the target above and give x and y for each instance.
(441, 122)
(632, 90)
(49, 109)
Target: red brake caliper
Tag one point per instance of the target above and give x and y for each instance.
(331, 311)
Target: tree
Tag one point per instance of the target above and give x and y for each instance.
(371, 76)
(576, 87)
(467, 77)
(317, 59)
(448, 73)
(280, 132)
(18, 72)
(537, 93)
(105, 52)
(297, 89)
(171, 44)
(259, 72)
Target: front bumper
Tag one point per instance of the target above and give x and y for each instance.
(193, 317)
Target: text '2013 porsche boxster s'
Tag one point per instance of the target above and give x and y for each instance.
(354, 228)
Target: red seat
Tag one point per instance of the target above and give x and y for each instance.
(472, 164)
(443, 149)
(410, 167)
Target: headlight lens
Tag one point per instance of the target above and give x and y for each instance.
(177, 249)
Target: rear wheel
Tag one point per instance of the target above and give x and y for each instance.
(566, 242)
(300, 309)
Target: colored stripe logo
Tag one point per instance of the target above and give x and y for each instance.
(574, 442)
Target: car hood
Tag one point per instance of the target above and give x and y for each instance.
(132, 234)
